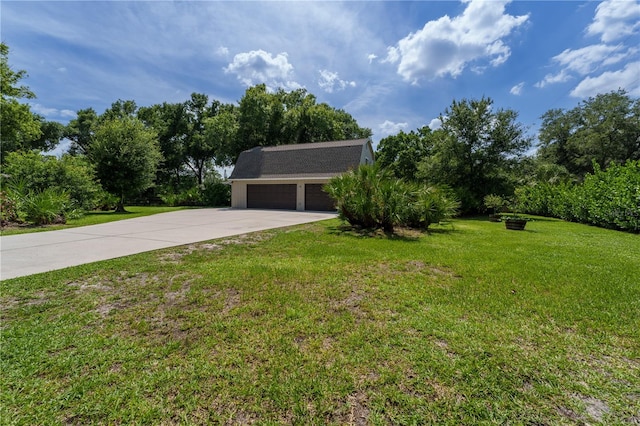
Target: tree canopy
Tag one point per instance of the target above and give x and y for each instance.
(604, 129)
(126, 157)
(475, 152)
(20, 127)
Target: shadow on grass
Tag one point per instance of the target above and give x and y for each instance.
(399, 234)
(107, 212)
(529, 217)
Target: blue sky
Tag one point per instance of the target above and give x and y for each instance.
(392, 65)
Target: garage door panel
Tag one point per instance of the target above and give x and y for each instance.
(316, 199)
(276, 196)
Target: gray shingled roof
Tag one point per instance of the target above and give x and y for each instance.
(319, 159)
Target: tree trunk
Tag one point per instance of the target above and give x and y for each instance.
(120, 205)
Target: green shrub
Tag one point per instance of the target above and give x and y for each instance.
(357, 196)
(607, 198)
(370, 197)
(46, 207)
(40, 207)
(215, 192)
(428, 205)
(612, 197)
(188, 197)
(494, 202)
(8, 208)
(71, 174)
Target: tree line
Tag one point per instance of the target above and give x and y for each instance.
(482, 150)
(170, 150)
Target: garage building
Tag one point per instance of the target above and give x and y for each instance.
(291, 177)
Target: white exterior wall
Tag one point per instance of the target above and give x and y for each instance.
(367, 154)
(239, 194)
(239, 189)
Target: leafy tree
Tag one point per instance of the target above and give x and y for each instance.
(476, 152)
(119, 110)
(20, 128)
(199, 149)
(220, 132)
(604, 129)
(52, 133)
(126, 156)
(306, 121)
(260, 121)
(401, 153)
(80, 130)
(171, 123)
(267, 119)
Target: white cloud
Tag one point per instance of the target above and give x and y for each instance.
(585, 60)
(626, 78)
(615, 19)
(371, 57)
(390, 128)
(258, 66)
(222, 51)
(435, 124)
(447, 45)
(52, 113)
(368, 98)
(330, 82)
(560, 77)
(517, 89)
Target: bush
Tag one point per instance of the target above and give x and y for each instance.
(372, 198)
(357, 196)
(8, 209)
(188, 197)
(37, 173)
(607, 198)
(428, 205)
(45, 207)
(40, 207)
(213, 192)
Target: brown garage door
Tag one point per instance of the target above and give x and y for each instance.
(271, 196)
(316, 199)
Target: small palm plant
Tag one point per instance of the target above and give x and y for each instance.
(371, 197)
(496, 203)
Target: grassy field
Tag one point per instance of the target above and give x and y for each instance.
(92, 218)
(470, 324)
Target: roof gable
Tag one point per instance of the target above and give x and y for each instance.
(319, 159)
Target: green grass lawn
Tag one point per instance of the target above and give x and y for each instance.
(470, 324)
(92, 218)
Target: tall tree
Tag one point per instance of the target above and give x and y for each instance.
(220, 132)
(267, 119)
(199, 150)
(170, 121)
(126, 155)
(402, 153)
(19, 127)
(604, 129)
(260, 117)
(80, 130)
(477, 151)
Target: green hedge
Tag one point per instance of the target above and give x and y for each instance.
(607, 198)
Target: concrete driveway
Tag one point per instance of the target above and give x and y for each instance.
(28, 254)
